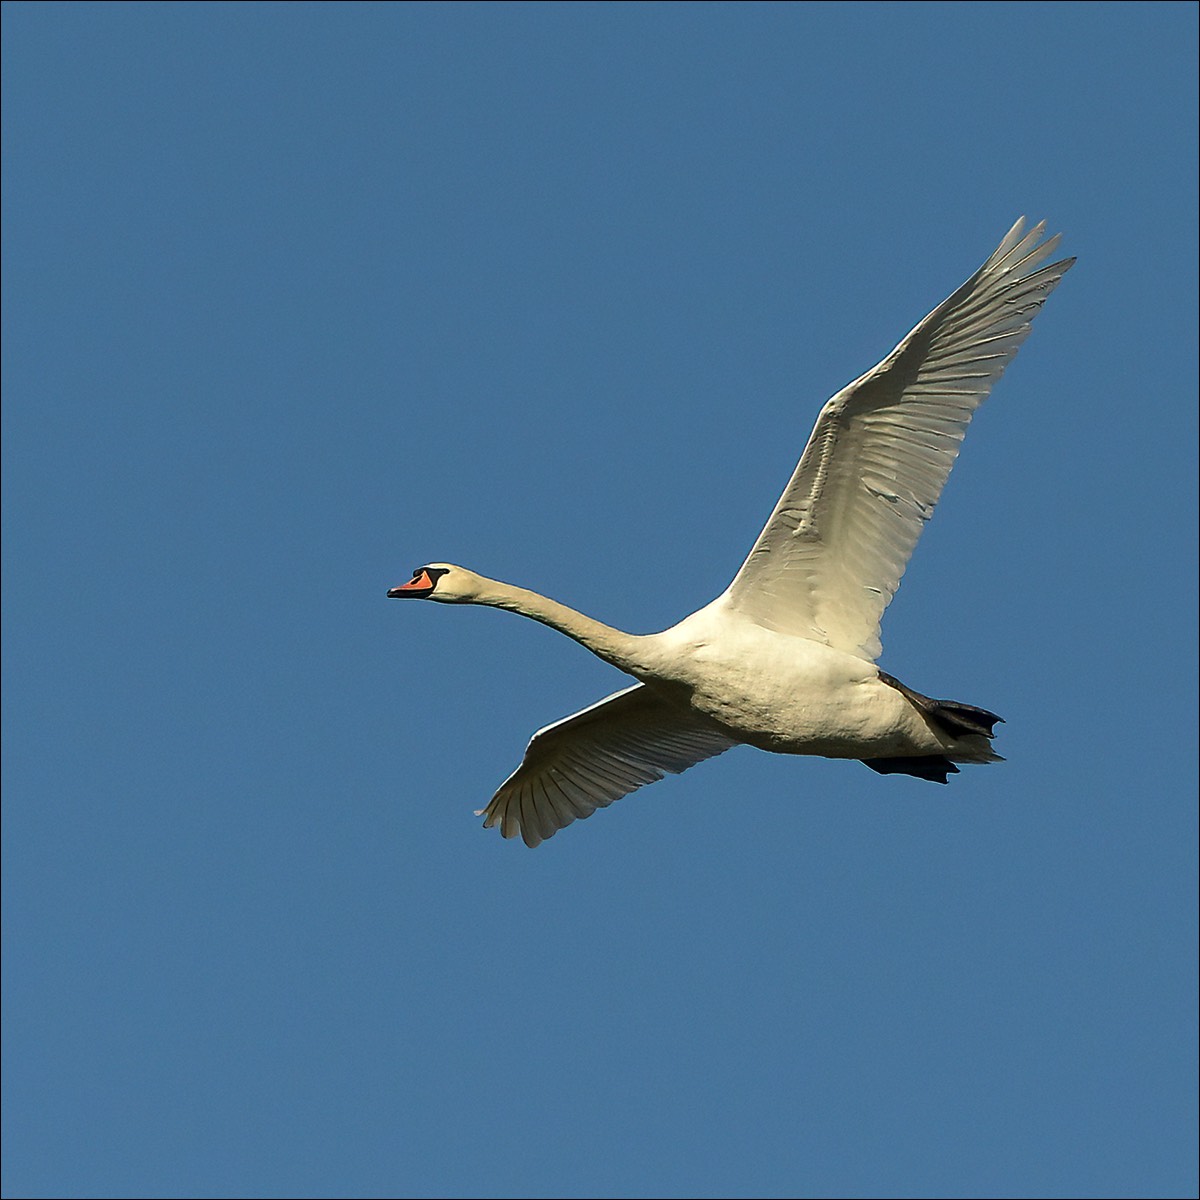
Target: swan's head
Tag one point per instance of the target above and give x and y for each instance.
(439, 581)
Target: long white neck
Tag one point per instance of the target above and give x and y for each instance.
(624, 650)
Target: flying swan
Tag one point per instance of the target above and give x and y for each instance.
(785, 658)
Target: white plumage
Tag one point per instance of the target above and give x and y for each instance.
(784, 658)
(832, 554)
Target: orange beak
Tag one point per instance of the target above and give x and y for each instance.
(419, 585)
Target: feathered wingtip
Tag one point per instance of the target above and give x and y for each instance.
(1021, 251)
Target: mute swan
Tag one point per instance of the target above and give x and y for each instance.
(785, 658)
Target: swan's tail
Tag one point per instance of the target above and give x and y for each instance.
(950, 716)
(971, 727)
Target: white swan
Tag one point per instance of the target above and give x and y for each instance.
(784, 659)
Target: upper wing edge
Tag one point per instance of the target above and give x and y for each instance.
(937, 375)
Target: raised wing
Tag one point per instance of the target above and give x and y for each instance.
(588, 760)
(831, 556)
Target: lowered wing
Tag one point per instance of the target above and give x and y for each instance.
(588, 760)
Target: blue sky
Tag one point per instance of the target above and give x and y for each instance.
(299, 297)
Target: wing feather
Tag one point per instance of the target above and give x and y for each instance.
(588, 760)
(832, 554)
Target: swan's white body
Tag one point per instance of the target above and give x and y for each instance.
(787, 694)
(784, 659)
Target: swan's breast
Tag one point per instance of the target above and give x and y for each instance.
(784, 693)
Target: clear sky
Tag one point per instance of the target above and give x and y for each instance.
(300, 297)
